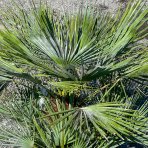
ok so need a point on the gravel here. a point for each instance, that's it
(71, 5)
(67, 5)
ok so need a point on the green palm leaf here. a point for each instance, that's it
(73, 48)
(107, 118)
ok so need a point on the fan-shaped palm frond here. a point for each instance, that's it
(19, 137)
(107, 118)
(72, 48)
(20, 132)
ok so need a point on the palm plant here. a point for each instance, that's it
(83, 61)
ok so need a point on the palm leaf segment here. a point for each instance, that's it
(106, 118)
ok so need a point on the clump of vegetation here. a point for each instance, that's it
(80, 79)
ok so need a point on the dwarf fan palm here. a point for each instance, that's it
(80, 60)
